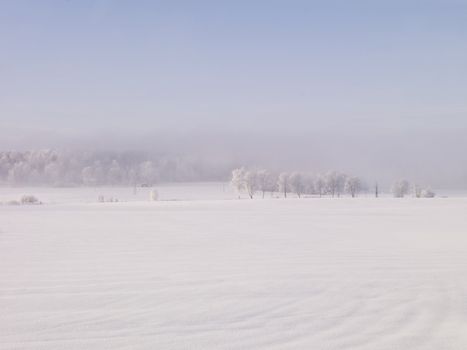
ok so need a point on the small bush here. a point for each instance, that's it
(28, 199)
(427, 193)
(153, 195)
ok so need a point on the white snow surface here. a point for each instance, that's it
(311, 273)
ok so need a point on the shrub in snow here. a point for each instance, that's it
(423, 192)
(417, 191)
(400, 188)
(427, 193)
(28, 199)
(13, 203)
(153, 195)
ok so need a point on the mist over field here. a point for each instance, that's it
(429, 157)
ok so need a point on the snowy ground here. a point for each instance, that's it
(313, 273)
(167, 192)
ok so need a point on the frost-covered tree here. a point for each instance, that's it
(148, 172)
(266, 181)
(320, 185)
(400, 188)
(133, 177)
(4, 167)
(341, 178)
(88, 176)
(353, 185)
(238, 179)
(309, 183)
(335, 182)
(251, 182)
(19, 173)
(296, 183)
(283, 183)
(53, 173)
(48, 167)
(248, 180)
(99, 172)
(115, 174)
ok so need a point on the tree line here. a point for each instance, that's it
(83, 168)
(332, 183)
(104, 168)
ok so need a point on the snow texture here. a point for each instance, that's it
(313, 273)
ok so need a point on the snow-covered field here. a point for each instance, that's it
(311, 273)
(167, 192)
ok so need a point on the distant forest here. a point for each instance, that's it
(83, 168)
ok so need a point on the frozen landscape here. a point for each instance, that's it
(223, 273)
(233, 175)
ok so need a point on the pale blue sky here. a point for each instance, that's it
(86, 65)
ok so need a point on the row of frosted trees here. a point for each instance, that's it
(53, 168)
(401, 188)
(334, 183)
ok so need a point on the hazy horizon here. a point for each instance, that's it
(373, 88)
